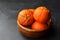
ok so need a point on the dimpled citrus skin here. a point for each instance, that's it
(38, 26)
(25, 17)
(41, 14)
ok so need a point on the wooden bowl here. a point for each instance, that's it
(33, 33)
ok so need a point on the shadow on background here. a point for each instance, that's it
(51, 33)
(10, 8)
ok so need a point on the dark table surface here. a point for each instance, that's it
(8, 15)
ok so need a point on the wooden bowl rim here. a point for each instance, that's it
(27, 29)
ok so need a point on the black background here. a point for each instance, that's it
(8, 15)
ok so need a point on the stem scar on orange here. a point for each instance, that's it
(39, 26)
(25, 17)
(41, 14)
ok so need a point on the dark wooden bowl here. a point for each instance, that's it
(33, 33)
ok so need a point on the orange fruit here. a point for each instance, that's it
(25, 17)
(42, 14)
(32, 10)
(39, 26)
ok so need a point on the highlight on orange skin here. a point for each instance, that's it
(25, 17)
(38, 26)
(41, 14)
(32, 10)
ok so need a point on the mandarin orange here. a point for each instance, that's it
(41, 14)
(25, 17)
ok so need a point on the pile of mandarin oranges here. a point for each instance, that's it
(35, 18)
